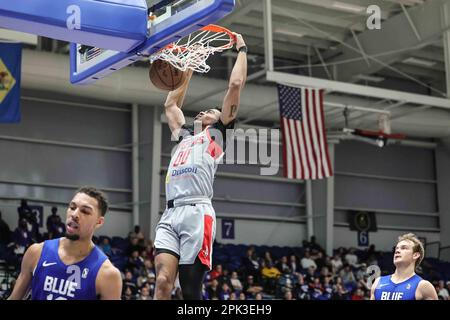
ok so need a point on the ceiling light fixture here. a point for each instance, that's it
(419, 62)
(347, 6)
(370, 78)
(291, 33)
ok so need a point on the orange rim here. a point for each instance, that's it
(216, 28)
(210, 28)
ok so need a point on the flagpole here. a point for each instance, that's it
(268, 35)
(309, 209)
(330, 206)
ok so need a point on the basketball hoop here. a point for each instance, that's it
(192, 51)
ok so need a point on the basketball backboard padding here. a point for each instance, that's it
(184, 22)
(119, 25)
(184, 25)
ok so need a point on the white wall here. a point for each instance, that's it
(264, 233)
(9, 214)
(117, 223)
(383, 239)
(34, 167)
(443, 188)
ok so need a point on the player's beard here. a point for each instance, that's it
(72, 237)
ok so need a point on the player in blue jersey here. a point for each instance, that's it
(186, 230)
(404, 283)
(71, 267)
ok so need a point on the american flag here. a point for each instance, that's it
(305, 149)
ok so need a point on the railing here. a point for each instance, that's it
(444, 253)
(434, 250)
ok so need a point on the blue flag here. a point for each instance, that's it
(10, 70)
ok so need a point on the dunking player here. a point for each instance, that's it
(186, 231)
(72, 267)
(404, 283)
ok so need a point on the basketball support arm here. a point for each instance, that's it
(121, 26)
(161, 34)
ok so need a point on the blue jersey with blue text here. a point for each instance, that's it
(54, 280)
(388, 290)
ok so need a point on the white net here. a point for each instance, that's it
(192, 51)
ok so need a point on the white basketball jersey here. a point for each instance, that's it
(193, 165)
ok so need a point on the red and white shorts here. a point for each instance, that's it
(188, 231)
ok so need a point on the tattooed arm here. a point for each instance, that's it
(238, 77)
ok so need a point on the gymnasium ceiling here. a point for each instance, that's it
(320, 32)
(330, 40)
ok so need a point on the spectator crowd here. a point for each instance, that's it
(239, 272)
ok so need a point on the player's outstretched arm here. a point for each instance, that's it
(173, 104)
(109, 282)
(426, 291)
(238, 77)
(29, 262)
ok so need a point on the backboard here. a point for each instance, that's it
(114, 24)
(168, 22)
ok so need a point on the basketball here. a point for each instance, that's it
(166, 77)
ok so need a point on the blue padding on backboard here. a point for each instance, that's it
(183, 23)
(170, 31)
(119, 25)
